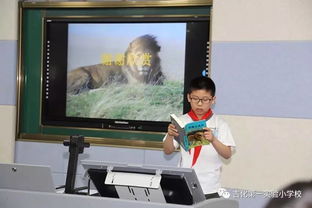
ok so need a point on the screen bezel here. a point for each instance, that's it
(119, 124)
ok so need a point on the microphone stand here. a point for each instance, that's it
(76, 146)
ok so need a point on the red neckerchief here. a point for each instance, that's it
(193, 116)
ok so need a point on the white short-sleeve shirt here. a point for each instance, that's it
(208, 164)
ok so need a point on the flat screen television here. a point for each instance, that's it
(125, 73)
(176, 186)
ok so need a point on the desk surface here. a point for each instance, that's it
(32, 199)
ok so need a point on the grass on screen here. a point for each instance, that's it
(128, 101)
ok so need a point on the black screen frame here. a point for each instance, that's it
(53, 111)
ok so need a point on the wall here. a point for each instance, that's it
(261, 63)
(261, 58)
(8, 61)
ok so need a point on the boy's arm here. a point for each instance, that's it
(168, 142)
(223, 150)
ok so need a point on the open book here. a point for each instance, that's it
(190, 134)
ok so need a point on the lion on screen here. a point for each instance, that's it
(141, 64)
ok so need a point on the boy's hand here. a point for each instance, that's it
(172, 131)
(208, 134)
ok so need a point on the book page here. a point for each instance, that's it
(177, 120)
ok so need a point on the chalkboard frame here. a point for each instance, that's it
(29, 77)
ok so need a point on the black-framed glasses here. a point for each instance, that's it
(204, 100)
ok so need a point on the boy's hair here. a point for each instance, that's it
(203, 83)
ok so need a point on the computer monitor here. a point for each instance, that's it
(145, 183)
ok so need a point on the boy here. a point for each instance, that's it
(205, 160)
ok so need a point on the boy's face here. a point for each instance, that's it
(201, 101)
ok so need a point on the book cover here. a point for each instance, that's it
(190, 134)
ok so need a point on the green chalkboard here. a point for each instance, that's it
(30, 73)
